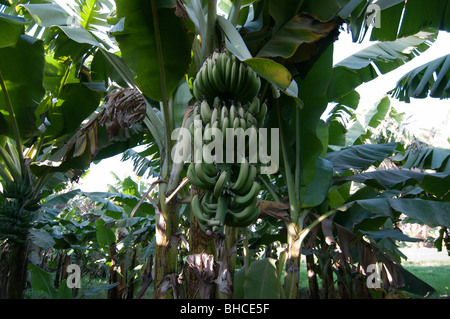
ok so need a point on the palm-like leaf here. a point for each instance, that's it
(431, 79)
(379, 58)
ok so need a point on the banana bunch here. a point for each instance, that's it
(226, 92)
(231, 189)
(17, 211)
(17, 190)
(222, 74)
(15, 221)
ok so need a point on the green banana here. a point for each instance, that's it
(207, 133)
(201, 89)
(252, 216)
(246, 199)
(252, 85)
(193, 178)
(225, 125)
(228, 74)
(208, 211)
(208, 159)
(217, 79)
(198, 132)
(234, 76)
(222, 204)
(205, 111)
(220, 184)
(243, 175)
(245, 212)
(214, 115)
(202, 176)
(241, 110)
(223, 113)
(232, 113)
(245, 188)
(254, 106)
(236, 123)
(242, 123)
(197, 210)
(216, 102)
(250, 120)
(209, 168)
(253, 138)
(241, 80)
(261, 114)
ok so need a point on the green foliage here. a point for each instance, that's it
(332, 187)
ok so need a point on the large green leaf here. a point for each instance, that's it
(430, 79)
(42, 281)
(75, 103)
(432, 213)
(423, 157)
(436, 183)
(105, 236)
(138, 42)
(262, 280)
(300, 29)
(315, 192)
(360, 156)
(429, 212)
(381, 57)
(312, 92)
(12, 27)
(22, 67)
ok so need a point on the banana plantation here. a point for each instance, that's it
(258, 178)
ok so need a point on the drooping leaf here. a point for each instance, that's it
(60, 199)
(42, 281)
(420, 156)
(290, 36)
(428, 80)
(360, 156)
(315, 192)
(75, 103)
(437, 183)
(429, 212)
(381, 57)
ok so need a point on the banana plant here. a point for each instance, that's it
(290, 52)
(52, 120)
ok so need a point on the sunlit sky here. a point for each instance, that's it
(425, 113)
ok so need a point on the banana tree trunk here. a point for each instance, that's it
(166, 253)
(199, 242)
(17, 266)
